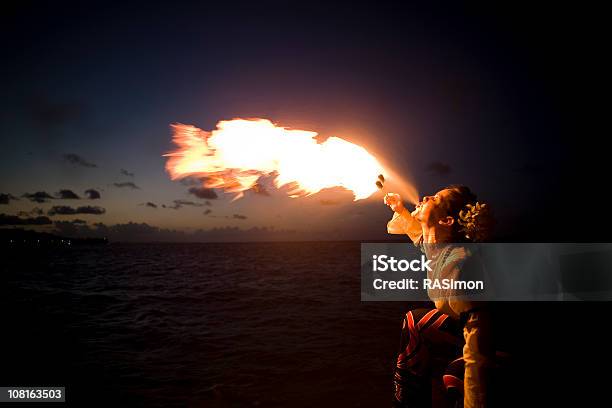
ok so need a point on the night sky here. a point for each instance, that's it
(501, 100)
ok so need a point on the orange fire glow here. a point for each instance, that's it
(235, 155)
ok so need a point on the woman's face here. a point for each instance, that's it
(431, 209)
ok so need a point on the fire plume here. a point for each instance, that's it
(235, 155)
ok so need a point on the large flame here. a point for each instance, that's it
(238, 152)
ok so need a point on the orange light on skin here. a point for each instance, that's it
(238, 152)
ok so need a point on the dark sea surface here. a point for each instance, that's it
(198, 325)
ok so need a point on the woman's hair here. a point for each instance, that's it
(473, 220)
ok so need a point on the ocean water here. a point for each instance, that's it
(198, 325)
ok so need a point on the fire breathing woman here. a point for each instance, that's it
(458, 328)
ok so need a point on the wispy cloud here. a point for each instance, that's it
(124, 172)
(6, 198)
(33, 211)
(38, 197)
(6, 219)
(66, 210)
(180, 203)
(126, 184)
(77, 160)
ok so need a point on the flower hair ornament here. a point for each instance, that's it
(476, 221)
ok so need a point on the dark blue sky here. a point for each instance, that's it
(492, 98)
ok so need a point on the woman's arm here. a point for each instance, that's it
(402, 222)
(478, 355)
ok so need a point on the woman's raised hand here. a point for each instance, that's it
(394, 201)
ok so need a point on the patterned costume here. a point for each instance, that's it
(434, 337)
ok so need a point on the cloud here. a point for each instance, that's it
(150, 204)
(229, 217)
(33, 211)
(124, 172)
(127, 184)
(74, 228)
(439, 168)
(192, 181)
(6, 198)
(67, 195)
(203, 192)
(142, 232)
(92, 194)
(66, 210)
(6, 219)
(77, 160)
(38, 197)
(187, 202)
(180, 203)
(133, 232)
